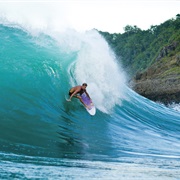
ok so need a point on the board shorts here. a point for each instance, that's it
(70, 93)
(76, 95)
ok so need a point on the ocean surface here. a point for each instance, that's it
(42, 136)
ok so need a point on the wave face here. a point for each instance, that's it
(129, 136)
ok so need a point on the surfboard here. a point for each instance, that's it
(91, 108)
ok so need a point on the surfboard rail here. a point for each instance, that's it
(91, 107)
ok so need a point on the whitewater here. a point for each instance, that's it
(43, 136)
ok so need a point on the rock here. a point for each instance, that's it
(163, 90)
(161, 81)
(166, 50)
(178, 60)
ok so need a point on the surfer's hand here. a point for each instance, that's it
(68, 99)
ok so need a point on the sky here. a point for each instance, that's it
(105, 15)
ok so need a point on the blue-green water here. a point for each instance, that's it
(44, 137)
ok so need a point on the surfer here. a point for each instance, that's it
(77, 91)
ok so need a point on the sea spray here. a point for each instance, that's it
(92, 62)
(96, 65)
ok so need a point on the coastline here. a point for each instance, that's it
(160, 82)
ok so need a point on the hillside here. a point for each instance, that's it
(151, 58)
(138, 49)
(161, 81)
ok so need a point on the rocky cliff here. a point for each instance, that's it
(161, 81)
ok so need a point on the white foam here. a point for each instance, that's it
(175, 106)
(97, 66)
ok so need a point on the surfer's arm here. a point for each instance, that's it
(88, 95)
(74, 93)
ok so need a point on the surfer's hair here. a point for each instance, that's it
(84, 84)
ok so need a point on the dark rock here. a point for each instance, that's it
(178, 60)
(163, 90)
(166, 50)
(161, 81)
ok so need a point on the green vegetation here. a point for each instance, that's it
(171, 71)
(138, 49)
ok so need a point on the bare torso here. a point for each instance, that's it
(77, 89)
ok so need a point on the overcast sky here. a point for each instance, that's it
(81, 15)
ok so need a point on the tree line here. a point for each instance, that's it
(138, 49)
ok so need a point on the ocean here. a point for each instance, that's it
(43, 136)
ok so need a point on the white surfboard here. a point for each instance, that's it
(91, 108)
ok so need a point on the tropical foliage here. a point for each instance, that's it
(138, 49)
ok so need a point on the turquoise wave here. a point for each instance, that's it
(36, 72)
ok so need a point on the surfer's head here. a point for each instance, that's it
(84, 85)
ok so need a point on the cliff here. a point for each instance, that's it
(151, 59)
(161, 81)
